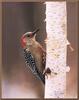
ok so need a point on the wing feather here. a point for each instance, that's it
(30, 61)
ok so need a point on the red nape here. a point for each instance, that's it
(23, 41)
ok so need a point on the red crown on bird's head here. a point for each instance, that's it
(23, 41)
(28, 35)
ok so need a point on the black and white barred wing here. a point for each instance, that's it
(30, 61)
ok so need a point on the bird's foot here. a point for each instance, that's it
(48, 72)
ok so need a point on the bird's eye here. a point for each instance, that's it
(28, 35)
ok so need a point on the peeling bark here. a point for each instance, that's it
(56, 49)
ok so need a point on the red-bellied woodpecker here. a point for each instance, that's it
(35, 55)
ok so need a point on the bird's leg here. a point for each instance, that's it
(47, 72)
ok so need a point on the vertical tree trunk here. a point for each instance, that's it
(55, 86)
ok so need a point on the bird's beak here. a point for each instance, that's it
(34, 32)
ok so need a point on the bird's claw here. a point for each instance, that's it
(47, 72)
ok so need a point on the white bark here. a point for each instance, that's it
(56, 42)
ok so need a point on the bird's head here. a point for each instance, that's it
(27, 38)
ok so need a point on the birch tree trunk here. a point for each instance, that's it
(56, 29)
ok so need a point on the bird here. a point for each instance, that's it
(34, 54)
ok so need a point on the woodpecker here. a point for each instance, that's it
(35, 55)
